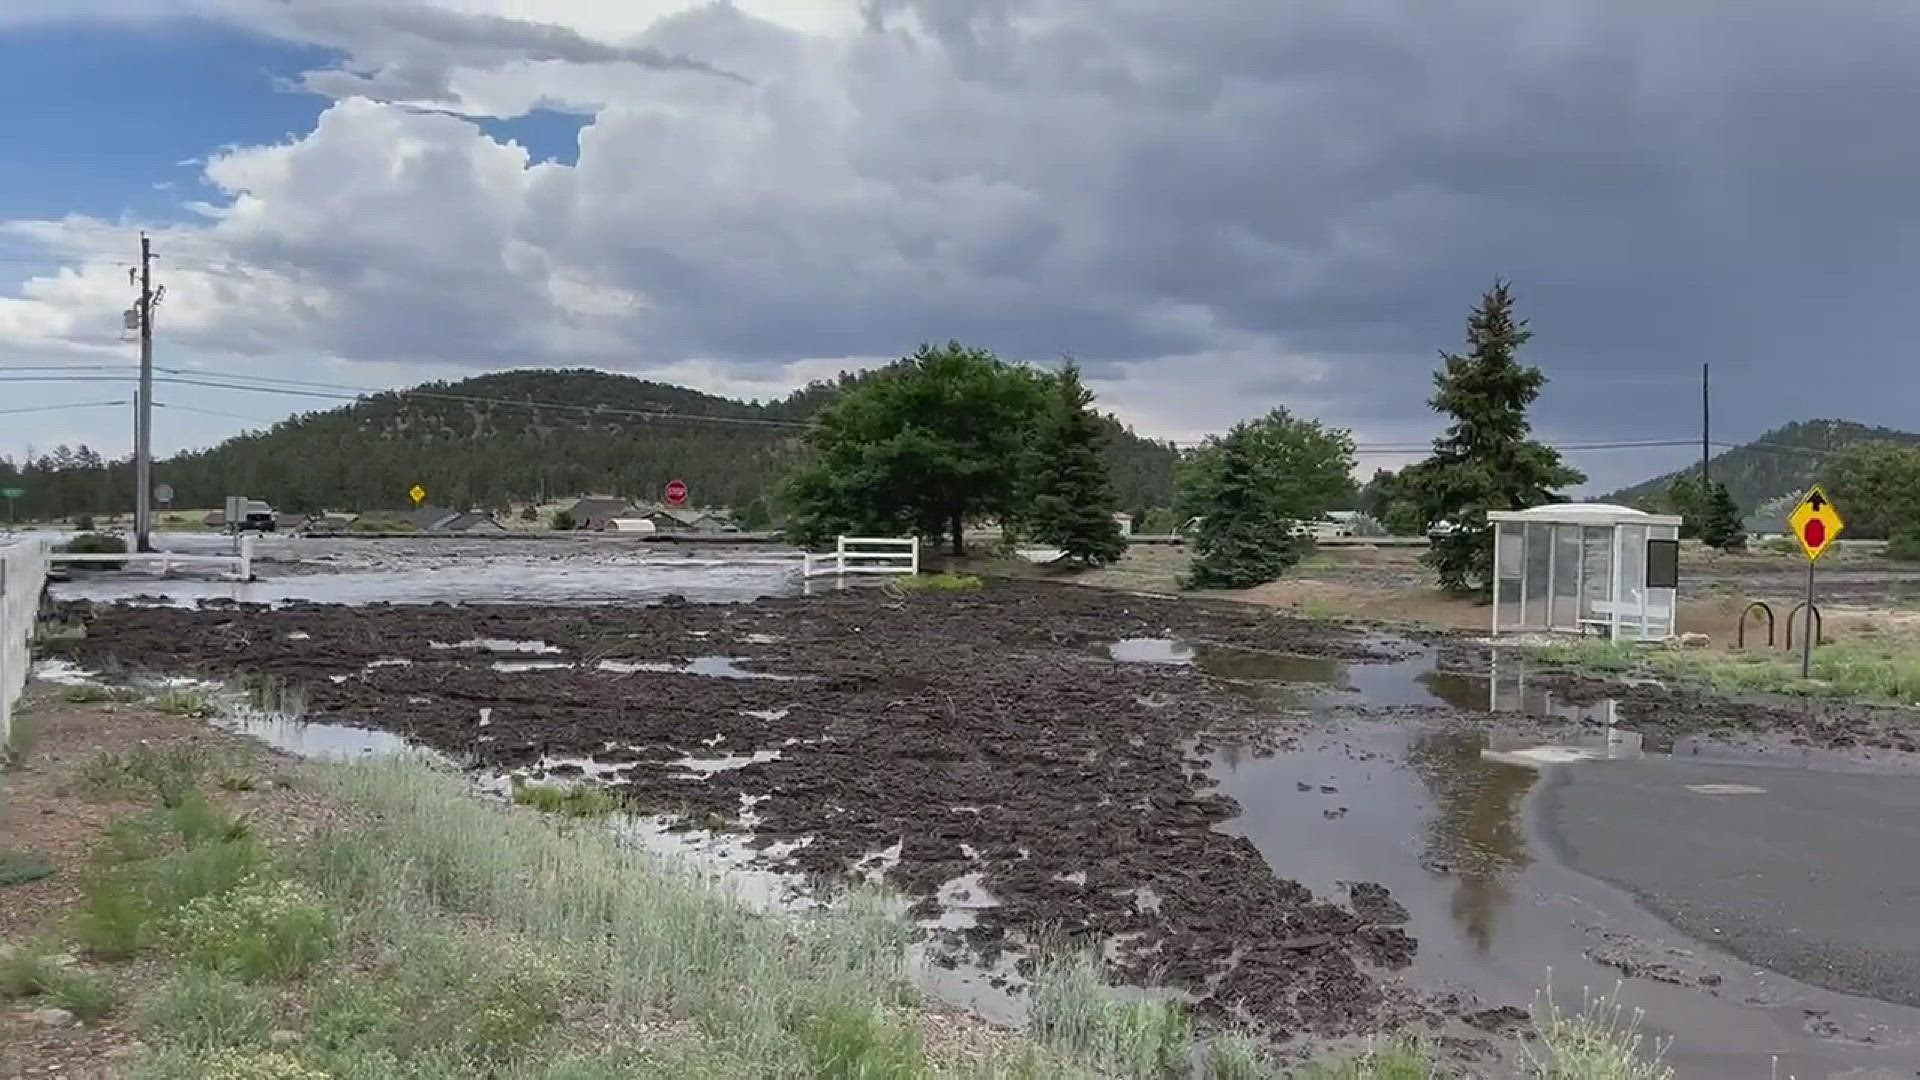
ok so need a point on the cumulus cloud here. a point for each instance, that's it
(1219, 208)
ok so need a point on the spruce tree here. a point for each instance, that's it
(1720, 523)
(1486, 459)
(1070, 494)
(1244, 537)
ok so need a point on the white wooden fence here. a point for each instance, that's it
(865, 555)
(240, 563)
(23, 573)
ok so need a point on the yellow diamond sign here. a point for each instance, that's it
(1815, 522)
(418, 494)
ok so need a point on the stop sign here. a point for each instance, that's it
(676, 493)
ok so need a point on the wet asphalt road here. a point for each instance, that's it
(1816, 874)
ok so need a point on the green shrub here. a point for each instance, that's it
(31, 973)
(206, 1010)
(570, 800)
(21, 867)
(562, 521)
(175, 701)
(93, 543)
(1905, 547)
(94, 693)
(258, 930)
(169, 774)
(149, 868)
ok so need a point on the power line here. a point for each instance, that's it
(67, 405)
(216, 412)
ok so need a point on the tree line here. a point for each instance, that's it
(504, 440)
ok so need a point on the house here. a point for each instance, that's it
(471, 523)
(686, 519)
(599, 511)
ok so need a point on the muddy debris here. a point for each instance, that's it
(988, 734)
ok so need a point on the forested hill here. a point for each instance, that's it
(1784, 461)
(482, 442)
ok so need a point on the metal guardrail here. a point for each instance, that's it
(23, 574)
(865, 555)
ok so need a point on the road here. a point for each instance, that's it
(1813, 874)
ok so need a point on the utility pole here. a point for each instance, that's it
(143, 404)
(1706, 415)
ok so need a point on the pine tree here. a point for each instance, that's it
(1070, 493)
(1720, 523)
(1244, 538)
(1485, 460)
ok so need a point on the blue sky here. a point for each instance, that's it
(1217, 209)
(98, 114)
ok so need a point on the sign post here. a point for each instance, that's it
(676, 493)
(1816, 524)
(418, 494)
(10, 494)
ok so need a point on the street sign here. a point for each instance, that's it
(163, 494)
(1816, 524)
(676, 493)
(418, 494)
(13, 493)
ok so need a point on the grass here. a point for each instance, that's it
(176, 701)
(1317, 608)
(1600, 1042)
(426, 933)
(1875, 668)
(915, 583)
(170, 774)
(568, 800)
(1403, 1057)
(94, 693)
(34, 973)
(1073, 1011)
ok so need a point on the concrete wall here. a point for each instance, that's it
(23, 573)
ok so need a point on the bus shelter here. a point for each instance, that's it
(1585, 568)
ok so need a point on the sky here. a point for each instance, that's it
(1218, 208)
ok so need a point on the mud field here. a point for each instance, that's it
(1045, 747)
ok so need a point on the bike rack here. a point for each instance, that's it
(1740, 635)
(1819, 624)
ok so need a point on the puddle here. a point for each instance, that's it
(715, 667)
(313, 740)
(63, 673)
(500, 645)
(1440, 819)
(701, 768)
(512, 667)
(1414, 682)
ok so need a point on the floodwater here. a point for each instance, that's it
(1442, 817)
(430, 570)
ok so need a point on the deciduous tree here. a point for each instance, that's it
(922, 447)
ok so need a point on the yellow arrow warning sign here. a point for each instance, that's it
(1815, 522)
